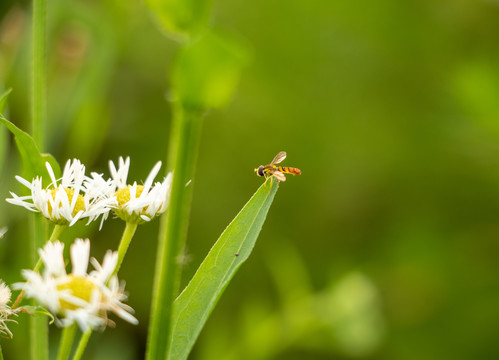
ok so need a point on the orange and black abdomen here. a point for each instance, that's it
(289, 170)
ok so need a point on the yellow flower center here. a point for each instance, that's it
(123, 195)
(79, 287)
(80, 202)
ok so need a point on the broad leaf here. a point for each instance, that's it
(195, 303)
(33, 160)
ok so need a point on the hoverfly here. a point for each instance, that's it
(277, 171)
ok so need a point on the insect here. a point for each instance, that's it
(277, 171)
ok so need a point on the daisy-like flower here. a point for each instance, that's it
(134, 203)
(78, 297)
(66, 203)
(5, 311)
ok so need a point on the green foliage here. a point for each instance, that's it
(207, 70)
(33, 160)
(181, 18)
(392, 114)
(195, 303)
(182, 154)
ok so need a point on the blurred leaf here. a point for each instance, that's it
(3, 133)
(352, 310)
(33, 161)
(181, 18)
(207, 71)
(476, 84)
(195, 303)
(3, 100)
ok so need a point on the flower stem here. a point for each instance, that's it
(38, 324)
(184, 143)
(56, 232)
(67, 338)
(1, 353)
(126, 238)
(82, 344)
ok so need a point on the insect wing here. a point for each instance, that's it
(278, 158)
(279, 176)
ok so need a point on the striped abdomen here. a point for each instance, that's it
(288, 170)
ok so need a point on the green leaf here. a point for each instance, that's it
(181, 19)
(206, 72)
(36, 310)
(33, 160)
(195, 303)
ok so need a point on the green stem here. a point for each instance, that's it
(184, 143)
(82, 344)
(68, 335)
(39, 71)
(38, 324)
(126, 238)
(56, 232)
(1, 353)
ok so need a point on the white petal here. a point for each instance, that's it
(151, 176)
(102, 273)
(51, 174)
(80, 254)
(51, 255)
(23, 181)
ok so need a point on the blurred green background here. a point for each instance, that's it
(385, 248)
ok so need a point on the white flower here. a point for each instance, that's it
(5, 311)
(66, 203)
(78, 296)
(134, 203)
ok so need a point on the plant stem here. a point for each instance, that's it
(126, 238)
(38, 324)
(56, 232)
(82, 344)
(39, 71)
(182, 155)
(67, 338)
(1, 353)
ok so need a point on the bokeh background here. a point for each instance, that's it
(385, 248)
